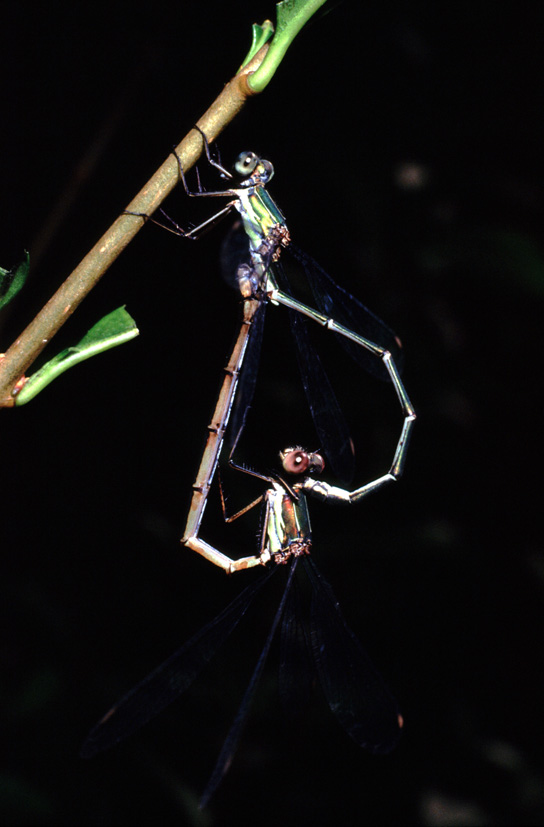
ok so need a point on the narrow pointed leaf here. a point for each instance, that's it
(12, 280)
(260, 36)
(291, 17)
(114, 329)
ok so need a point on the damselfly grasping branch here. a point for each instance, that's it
(261, 280)
(353, 689)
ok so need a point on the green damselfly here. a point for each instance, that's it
(261, 281)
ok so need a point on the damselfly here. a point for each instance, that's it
(261, 281)
(352, 687)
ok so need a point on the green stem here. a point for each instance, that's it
(263, 60)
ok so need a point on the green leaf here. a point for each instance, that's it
(112, 330)
(12, 280)
(260, 36)
(291, 17)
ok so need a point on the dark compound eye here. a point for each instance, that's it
(317, 463)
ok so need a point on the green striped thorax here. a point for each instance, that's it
(288, 523)
(288, 529)
(264, 223)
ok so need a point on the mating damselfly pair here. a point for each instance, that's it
(353, 689)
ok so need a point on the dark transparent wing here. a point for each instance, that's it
(248, 375)
(354, 690)
(231, 741)
(235, 252)
(338, 304)
(296, 672)
(331, 427)
(171, 678)
(330, 423)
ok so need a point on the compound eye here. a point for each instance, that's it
(295, 462)
(317, 463)
(246, 163)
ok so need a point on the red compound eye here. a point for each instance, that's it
(295, 462)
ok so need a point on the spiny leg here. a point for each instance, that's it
(230, 518)
(195, 232)
(211, 160)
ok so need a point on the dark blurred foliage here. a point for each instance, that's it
(407, 141)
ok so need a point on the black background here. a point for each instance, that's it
(407, 142)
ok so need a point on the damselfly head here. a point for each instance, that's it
(256, 170)
(298, 461)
